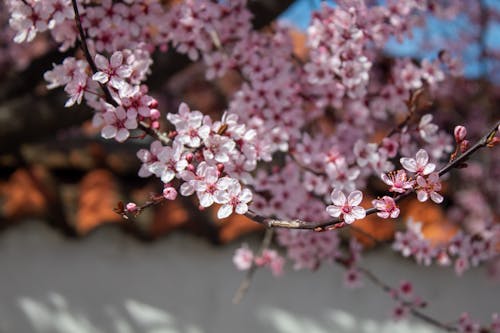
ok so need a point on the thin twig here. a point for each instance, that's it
(245, 284)
(415, 312)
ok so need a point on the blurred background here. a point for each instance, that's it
(71, 264)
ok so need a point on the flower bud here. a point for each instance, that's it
(131, 207)
(170, 193)
(464, 145)
(460, 132)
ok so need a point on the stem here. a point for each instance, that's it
(245, 284)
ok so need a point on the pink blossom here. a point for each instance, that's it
(243, 258)
(234, 198)
(387, 207)
(459, 132)
(271, 258)
(170, 193)
(352, 278)
(398, 181)
(113, 71)
(117, 124)
(400, 312)
(428, 187)
(419, 165)
(347, 207)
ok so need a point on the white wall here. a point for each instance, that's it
(111, 283)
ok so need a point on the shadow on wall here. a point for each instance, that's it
(55, 315)
(336, 321)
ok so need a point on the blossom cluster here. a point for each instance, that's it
(463, 250)
(244, 258)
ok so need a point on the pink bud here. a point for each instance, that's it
(460, 132)
(170, 193)
(131, 207)
(464, 145)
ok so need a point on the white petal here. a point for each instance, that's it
(206, 199)
(100, 77)
(241, 208)
(338, 198)
(333, 211)
(436, 197)
(428, 168)
(101, 62)
(422, 196)
(116, 59)
(225, 211)
(355, 198)
(122, 135)
(108, 132)
(409, 164)
(246, 195)
(422, 157)
(358, 212)
(349, 218)
(167, 175)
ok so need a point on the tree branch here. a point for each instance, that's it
(335, 223)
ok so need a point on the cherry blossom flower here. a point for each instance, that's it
(243, 258)
(398, 181)
(426, 128)
(271, 258)
(387, 207)
(113, 71)
(234, 198)
(400, 312)
(169, 162)
(117, 124)
(428, 187)
(352, 278)
(347, 207)
(418, 165)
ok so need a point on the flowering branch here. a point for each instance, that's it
(142, 125)
(338, 222)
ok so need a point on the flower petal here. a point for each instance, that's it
(338, 198)
(225, 211)
(333, 211)
(355, 198)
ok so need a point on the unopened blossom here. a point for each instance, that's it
(459, 132)
(113, 71)
(398, 181)
(347, 207)
(170, 193)
(420, 164)
(243, 258)
(428, 187)
(352, 278)
(234, 198)
(386, 207)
